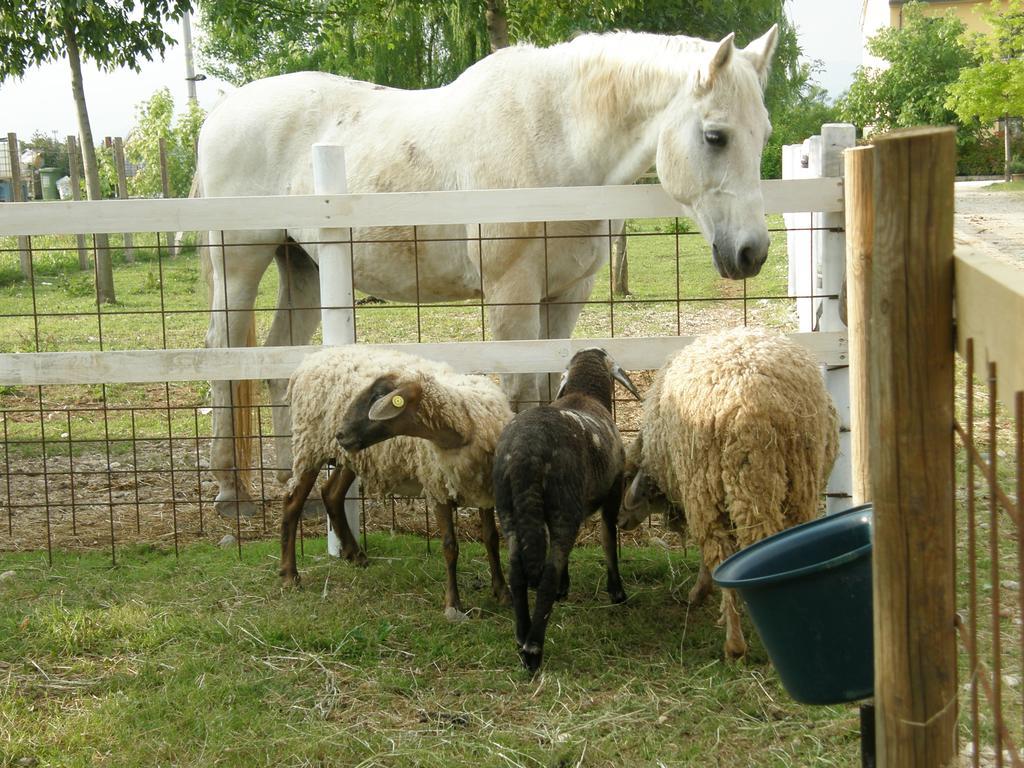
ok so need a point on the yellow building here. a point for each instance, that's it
(970, 12)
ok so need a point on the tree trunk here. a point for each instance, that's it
(104, 269)
(497, 24)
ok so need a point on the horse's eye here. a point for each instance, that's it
(715, 138)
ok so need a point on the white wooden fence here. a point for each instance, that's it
(334, 210)
(816, 242)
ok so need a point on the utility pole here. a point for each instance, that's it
(190, 72)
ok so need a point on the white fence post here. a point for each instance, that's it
(817, 264)
(337, 297)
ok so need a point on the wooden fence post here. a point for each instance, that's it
(76, 194)
(122, 192)
(165, 187)
(337, 297)
(910, 418)
(860, 222)
(24, 246)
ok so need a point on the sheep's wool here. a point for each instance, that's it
(324, 385)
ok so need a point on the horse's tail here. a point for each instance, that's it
(243, 393)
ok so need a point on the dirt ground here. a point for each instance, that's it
(991, 220)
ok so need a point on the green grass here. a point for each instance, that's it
(1005, 186)
(205, 660)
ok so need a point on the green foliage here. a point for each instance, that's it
(802, 114)
(427, 43)
(995, 85)
(155, 120)
(416, 44)
(112, 34)
(925, 56)
(53, 150)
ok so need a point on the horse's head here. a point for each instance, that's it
(709, 152)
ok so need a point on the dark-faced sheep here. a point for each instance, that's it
(403, 425)
(554, 466)
(739, 433)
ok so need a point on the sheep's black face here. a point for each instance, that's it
(358, 430)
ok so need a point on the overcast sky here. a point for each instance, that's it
(42, 101)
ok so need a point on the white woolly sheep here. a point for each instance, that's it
(554, 466)
(738, 432)
(436, 436)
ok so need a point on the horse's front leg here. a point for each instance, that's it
(514, 308)
(560, 314)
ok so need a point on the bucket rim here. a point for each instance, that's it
(794, 573)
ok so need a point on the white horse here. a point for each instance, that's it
(597, 110)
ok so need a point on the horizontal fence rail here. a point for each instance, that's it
(388, 208)
(224, 364)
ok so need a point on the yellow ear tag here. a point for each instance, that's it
(398, 401)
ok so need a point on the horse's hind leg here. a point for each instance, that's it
(236, 273)
(295, 319)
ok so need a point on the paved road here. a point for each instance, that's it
(993, 218)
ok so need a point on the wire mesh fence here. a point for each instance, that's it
(89, 466)
(991, 571)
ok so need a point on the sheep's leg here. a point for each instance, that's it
(444, 514)
(609, 539)
(701, 589)
(289, 525)
(520, 589)
(735, 645)
(340, 481)
(563, 585)
(490, 536)
(532, 651)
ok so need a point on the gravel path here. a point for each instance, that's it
(994, 219)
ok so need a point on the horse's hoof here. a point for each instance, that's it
(454, 615)
(313, 509)
(234, 508)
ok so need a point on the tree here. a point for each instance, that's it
(993, 89)
(924, 57)
(155, 121)
(802, 114)
(112, 34)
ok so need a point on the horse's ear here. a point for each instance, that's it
(719, 58)
(760, 52)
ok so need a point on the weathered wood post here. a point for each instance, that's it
(337, 297)
(165, 189)
(76, 194)
(910, 417)
(860, 223)
(122, 192)
(24, 246)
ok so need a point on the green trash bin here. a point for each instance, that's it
(48, 181)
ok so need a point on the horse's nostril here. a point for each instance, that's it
(750, 259)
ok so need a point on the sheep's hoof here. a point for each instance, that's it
(356, 557)
(734, 652)
(531, 655)
(454, 615)
(503, 595)
(232, 508)
(290, 580)
(618, 596)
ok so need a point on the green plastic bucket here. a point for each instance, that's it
(808, 591)
(48, 182)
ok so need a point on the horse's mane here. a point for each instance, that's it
(616, 68)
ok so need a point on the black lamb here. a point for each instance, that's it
(554, 466)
